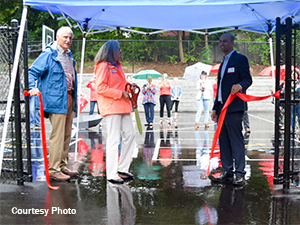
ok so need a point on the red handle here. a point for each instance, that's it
(26, 93)
(134, 92)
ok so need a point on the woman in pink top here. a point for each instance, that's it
(93, 96)
(115, 106)
(165, 98)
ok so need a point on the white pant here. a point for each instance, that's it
(119, 125)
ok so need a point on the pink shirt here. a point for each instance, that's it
(165, 89)
(92, 86)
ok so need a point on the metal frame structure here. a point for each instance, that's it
(16, 127)
(285, 33)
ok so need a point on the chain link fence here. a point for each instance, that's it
(167, 51)
(16, 164)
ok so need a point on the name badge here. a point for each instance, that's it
(114, 71)
(230, 70)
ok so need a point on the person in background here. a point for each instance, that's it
(176, 92)
(215, 90)
(295, 108)
(57, 80)
(165, 99)
(233, 77)
(116, 108)
(93, 95)
(149, 101)
(203, 97)
(35, 118)
(246, 121)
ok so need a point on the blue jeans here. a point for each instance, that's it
(200, 103)
(149, 112)
(35, 119)
(92, 104)
(36, 145)
(297, 115)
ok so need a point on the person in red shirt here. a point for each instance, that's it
(215, 89)
(165, 98)
(93, 96)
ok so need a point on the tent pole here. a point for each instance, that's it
(12, 83)
(272, 60)
(79, 91)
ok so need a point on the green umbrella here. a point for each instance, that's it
(144, 74)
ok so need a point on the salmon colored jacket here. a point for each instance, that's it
(110, 83)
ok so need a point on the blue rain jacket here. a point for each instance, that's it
(52, 83)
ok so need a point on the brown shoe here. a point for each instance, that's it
(59, 176)
(206, 126)
(69, 172)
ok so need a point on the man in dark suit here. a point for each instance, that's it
(233, 77)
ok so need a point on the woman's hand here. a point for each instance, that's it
(125, 95)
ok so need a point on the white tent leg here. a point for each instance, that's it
(12, 83)
(79, 91)
(272, 61)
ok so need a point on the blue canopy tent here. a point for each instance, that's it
(162, 15)
(103, 15)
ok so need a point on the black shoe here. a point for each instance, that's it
(147, 124)
(116, 181)
(126, 176)
(239, 180)
(224, 177)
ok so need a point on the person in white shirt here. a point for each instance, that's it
(176, 92)
(203, 97)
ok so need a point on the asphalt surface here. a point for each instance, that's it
(170, 186)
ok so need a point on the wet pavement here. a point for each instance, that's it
(170, 186)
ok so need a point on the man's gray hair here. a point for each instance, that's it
(64, 29)
(108, 52)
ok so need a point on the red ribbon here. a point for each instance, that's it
(245, 98)
(44, 142)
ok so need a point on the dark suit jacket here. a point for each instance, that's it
(236, 72)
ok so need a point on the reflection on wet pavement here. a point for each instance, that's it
(170, 185)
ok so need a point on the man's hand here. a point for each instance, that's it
(235, 89)
(214, 116)
(34, 92)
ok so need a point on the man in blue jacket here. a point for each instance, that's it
(56, 77)
(233, 77)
